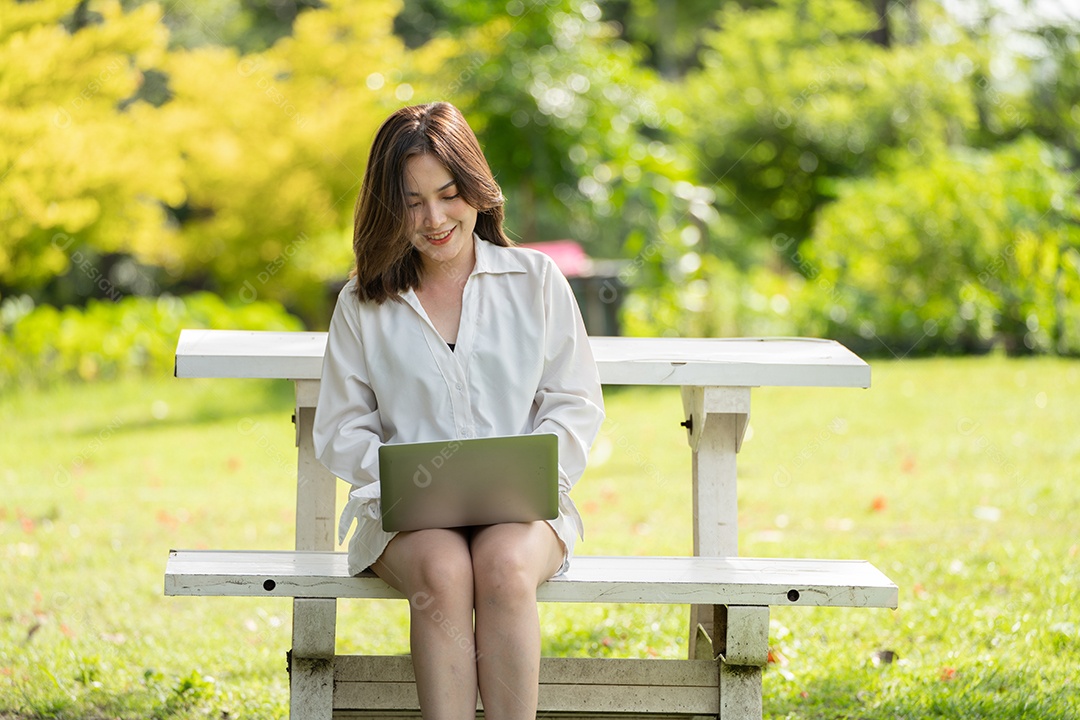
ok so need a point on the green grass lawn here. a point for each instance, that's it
(958, 478)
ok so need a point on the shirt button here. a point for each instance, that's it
(460, 386)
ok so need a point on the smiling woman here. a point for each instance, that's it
(426, 172)
(448, 332)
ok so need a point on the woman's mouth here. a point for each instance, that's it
(440, 239)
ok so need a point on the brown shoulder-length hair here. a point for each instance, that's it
(387, 263)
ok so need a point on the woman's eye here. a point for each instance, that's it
(452, 197)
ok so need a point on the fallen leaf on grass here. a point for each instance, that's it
(775, 657)
(165, 518)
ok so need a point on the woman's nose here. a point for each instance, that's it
(433, 216)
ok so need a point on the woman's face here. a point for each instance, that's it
(441, 222)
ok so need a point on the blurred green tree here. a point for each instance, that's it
(1055, 91)
(961, 253)
(248, 25)
(275, 146)
(569, 122)
(717, 154)
(84, 170)
(792, 98)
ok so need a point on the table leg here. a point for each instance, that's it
(742, 639)
(717, 419)
(311, 661)
(315, 508)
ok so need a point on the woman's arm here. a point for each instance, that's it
(348, 430)
(569, 400)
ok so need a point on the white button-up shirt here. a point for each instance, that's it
(522, 364)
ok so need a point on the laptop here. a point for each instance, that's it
(478, 481)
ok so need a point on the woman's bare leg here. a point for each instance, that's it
(509, 562)
(432, 568)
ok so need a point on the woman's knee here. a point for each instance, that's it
(507, 566)
(430, 567)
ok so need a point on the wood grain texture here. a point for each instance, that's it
(734, 362)
(567, 685)
(661, 580)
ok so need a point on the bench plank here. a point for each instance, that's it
(548, 715)
(570, 698)
(733, 362)
(661, 580)
(567, 685)
(554, 670)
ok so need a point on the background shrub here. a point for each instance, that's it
(40, 345)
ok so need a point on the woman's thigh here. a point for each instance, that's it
(426, 560)
(530, 548)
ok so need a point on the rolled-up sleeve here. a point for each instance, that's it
(347, 431)
(569, 401)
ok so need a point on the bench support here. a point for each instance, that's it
(311, 687)
(717, 419)
(311, 661)
(316, 521)
(384, 686)
(743, 650)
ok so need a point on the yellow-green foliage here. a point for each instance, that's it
(720, 180)
(76, 168)
(252, 159)
(276, 144)
(109, 339)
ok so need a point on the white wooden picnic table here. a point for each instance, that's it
(715, 377)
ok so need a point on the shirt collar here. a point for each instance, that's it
(495, 259)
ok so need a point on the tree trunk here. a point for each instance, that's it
(882, 35)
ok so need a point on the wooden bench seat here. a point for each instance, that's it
(663, 580)
(740, 589)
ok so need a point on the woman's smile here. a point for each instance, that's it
(440, 238)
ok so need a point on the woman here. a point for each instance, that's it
(446, 331)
